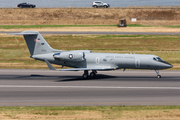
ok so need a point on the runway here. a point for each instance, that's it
(21, 87)
(98, 33)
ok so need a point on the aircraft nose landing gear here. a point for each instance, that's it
(158, 75)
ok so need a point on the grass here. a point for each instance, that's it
(54, 26)
(15, 54)
(88, 16)
(138, 25)
(174, 26)
(48, 26)
(90, 112)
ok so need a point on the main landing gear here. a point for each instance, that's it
(92, 74)
(158, 75)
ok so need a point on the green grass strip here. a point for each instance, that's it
(173, 26)
(89, 108)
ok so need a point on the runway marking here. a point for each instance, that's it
(88, 87)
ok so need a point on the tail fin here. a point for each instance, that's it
(35, 42)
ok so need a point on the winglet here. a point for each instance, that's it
(49, 65)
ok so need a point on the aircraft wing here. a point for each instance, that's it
(78, 69)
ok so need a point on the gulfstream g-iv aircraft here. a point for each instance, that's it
(86, 61)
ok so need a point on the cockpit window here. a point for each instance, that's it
(157, 59)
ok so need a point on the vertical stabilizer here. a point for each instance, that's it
(36, 43)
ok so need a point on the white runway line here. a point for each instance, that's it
(88, 87)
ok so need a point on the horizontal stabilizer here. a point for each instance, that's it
(26, 33)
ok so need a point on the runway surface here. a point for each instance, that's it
(19, 87)
(99, 33)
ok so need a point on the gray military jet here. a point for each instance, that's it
(85, 60)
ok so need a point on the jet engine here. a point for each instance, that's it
(70, 56)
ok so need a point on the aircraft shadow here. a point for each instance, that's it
(99, 77)
(102, 77)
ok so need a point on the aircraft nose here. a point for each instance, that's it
(171, 66)
(168, 65)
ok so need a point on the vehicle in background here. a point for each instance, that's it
(122, 23)
(97, 4)
(26, 5)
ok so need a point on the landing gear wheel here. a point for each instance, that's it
(159, 76)
(92, 74)
(85, 76)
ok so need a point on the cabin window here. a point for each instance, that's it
(104, 60)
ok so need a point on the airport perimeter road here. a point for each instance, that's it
(99, 33)
(54, 88)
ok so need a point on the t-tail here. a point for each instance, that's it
(36, 43)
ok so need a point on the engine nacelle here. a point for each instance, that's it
(70, 56)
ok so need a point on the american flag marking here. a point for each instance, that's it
(36, 40)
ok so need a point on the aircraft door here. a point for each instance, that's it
(112, 62)
(97, 60)
(137, 63)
